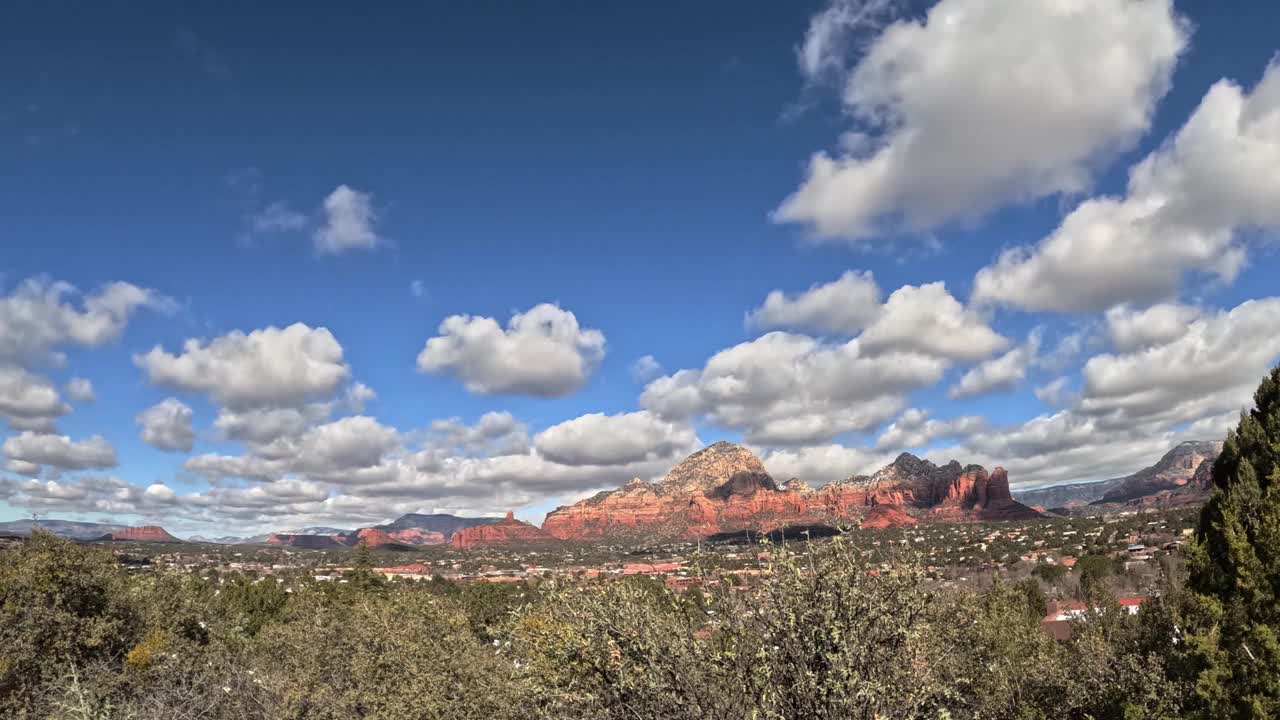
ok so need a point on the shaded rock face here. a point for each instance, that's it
(1175, 471)
(143, 533)
(725, 489)
(508, 531)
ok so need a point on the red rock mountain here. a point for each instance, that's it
(143, 533)
(725, 488)
(508, 531)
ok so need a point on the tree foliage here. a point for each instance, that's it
(1233, 616)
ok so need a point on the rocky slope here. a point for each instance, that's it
(445, 525)
(1172, 472)
(308, 542)
(724, 488)
(1067, 496)
(507, 531)
(142, 533)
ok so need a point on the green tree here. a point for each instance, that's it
(1052, 574)
(1233, 637)
(1037, 603)
(362, 577)
(62, 607)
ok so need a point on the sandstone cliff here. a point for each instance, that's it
(724, 488)
(507, 531)
(143, 533)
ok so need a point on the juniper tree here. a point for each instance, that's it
(1233, 641)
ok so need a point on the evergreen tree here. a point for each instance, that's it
(1233, 617)
(362, 576)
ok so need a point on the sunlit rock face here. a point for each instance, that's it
(725, 488)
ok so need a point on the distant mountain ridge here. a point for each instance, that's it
(1174, 471)
(74, 529)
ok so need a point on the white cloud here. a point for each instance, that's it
(268, 367)
(982, 102)
(1001, 373)
(1056, 392)
(345, 444)
(1212, 368)
(39, 316)
(495, 433)
(28, 401)
(167, 426)
(819, 465)
(791, 389)
(833, 33)
(542, 352)
(914, 428)
(1060, 448)
(927, 319)
(841, 307)
(81, 390)
(22, 467)
(61, 451)
(645, 369)
(349, 223)
(92, 494)
(417, 288)
(599, 439)
(276, 218)
(1185, 205)
(1130, 329)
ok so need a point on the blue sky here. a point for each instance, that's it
(1099, 205)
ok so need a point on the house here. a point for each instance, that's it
(415, 571)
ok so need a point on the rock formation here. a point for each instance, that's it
(143, 533)
(508, 531)
(724, 488)
(1174, 471)
(308, 542)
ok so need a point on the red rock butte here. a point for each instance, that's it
(508, 531)
(725, 488)
(142, 533)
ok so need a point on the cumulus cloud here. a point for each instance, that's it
(945, 129)
(60, 451)
(842, 307)
(1005, 372)
(28, 401)
(927, 319)
(784, 388)
(81, 390)
(1057, 392)
(1131, 329)
(1061, 448)
(645, 369)
(41, 315)
(542, 352)
(599, 439)
(349, 219)
(1211, 368)
(167, 426)
(268, 367)
(914, 428)
(822, 464)
(91, 494)
(1183, 211)
(495, 433)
